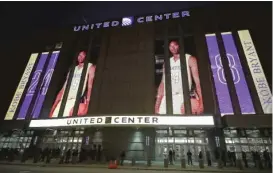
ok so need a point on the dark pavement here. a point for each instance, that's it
(70, 169)
(36, 169)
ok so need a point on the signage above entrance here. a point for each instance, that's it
(128, 21)
(125, 120)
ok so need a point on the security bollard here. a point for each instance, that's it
(219, 164)
(61, 160)
(133, 162)
(74, 159)
(183, 163)
(260, 165)
(166, 163)
(201, 163)
(149, 162)
(239, 164)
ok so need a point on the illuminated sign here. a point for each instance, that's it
(126, 120)
(257, 73)
(127, 21)
(21, 87)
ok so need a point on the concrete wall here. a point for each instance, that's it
(124, 82)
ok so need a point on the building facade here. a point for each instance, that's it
(193, 80)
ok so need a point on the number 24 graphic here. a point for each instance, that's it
(232, 67)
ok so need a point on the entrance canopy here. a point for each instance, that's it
(187, 121)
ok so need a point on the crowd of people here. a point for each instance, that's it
(95, 153)
(227, 157)
(47, 154)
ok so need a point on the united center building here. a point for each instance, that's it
(186, 80)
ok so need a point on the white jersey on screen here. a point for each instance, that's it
(72, 94)
(177, 87)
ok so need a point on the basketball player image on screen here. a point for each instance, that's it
(177, 87)
(75, 82)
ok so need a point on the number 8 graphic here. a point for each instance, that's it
(232, 67)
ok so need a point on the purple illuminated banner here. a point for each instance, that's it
(45, 84)
(32, 87)
(235, 66)
(218, 73)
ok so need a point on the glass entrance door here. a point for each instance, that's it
(181, 145)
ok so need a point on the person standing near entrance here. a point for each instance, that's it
(223, 157)
(244, 159)
(122, 157)
(267, 159)
(99, 153)
(68, 154)
(233, 155)
(189, 154)
(171, 157)
(254, 158)
(229, 157)
(208, 158)
(174, 155)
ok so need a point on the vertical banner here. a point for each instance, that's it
(45, 84)
(176, 78)
(160, 99)
(21, 87)
(238, 76)
(32, 87)
(195, 93)
(218, 73)
(257, 73)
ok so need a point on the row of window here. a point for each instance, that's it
(171, 140)
(63, 140)
(182, 132)
(248, 140)
(249, 133)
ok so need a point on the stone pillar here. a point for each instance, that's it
(166, 163)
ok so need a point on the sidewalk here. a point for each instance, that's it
(138, 167)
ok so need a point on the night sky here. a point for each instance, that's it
(20, 19)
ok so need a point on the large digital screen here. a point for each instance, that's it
(178, 100)
(73, 89)
(238, 76)
(79, 87)
(256, 70)
(21, 87)
(218, 73)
